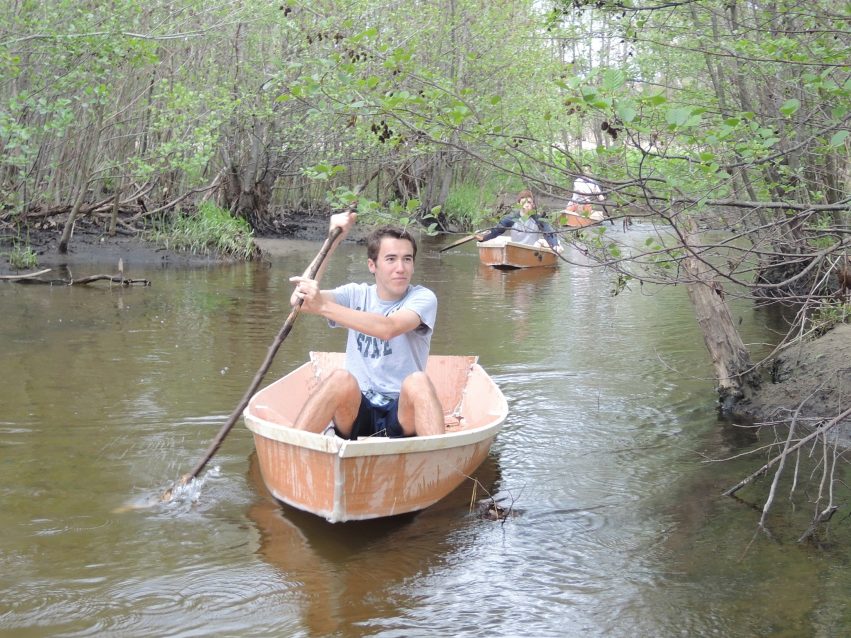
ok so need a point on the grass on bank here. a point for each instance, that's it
(22, 257)
(829, 315)
(471, 205)
(210, 230)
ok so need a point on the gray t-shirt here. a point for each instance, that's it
(378, 365)
(525, 231)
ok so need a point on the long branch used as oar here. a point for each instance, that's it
(463, 240)
(270, 355)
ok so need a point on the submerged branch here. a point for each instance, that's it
(815, 433)
(34, 278)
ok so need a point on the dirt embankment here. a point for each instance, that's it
(91, 244)
(814, 375)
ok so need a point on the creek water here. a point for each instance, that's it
(619, 526)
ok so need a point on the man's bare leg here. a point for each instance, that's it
(337, 398)
(420, 411)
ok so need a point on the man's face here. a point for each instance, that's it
(527, 204)
(393, 268)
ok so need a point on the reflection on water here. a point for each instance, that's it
(110, 394)
(354, 572)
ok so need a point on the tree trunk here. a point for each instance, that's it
(730, 357)
(69, 223)
(116, 201)
(246, 198)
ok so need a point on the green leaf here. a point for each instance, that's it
(626, 112)
(838, 138)
(790, 107)
(613, 79)
(655, 99)
(678, 116)
(589, 93)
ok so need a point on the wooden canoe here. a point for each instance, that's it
(503, 253)
(575, 220)
(344, 480)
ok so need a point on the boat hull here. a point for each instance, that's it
(500, 253)
(344, 480)
(574, 220)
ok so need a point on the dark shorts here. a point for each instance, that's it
(378, 417)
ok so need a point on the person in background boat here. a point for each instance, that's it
(525, 226)
(585, 190)
(383, 390)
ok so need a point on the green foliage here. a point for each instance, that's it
(620, 284)
(210, 230)
(187, 121)
(22, 257)
(315, 96)
(469, 205)
(829, 315)
(323, 171)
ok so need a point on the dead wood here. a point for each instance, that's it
(730, 358)
(35, 278)
(801, 442)
(29, 275)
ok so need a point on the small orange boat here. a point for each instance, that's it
(577, 216)
(500, 252)
(343, 480)
(575, 221)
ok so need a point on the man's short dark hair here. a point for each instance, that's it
(373, 240)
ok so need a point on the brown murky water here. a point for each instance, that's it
(109, 394)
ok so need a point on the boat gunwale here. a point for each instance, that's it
(377, 446)
(372, 446)
(503, 242)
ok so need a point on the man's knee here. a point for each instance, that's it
(339, 383)
(416, 382)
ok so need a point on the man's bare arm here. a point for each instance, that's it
(344, 221)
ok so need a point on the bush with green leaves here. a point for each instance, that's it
(472, 205)
(22, 257)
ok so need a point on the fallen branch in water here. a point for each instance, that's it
(35, 278)
(801, 442)
(28, 275)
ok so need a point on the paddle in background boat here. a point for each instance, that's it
(525, 226)
(458, 242)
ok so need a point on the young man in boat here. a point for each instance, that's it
(525, 226)
(383, 391)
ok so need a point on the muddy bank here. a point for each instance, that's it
(815, 374)
(91, 244)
